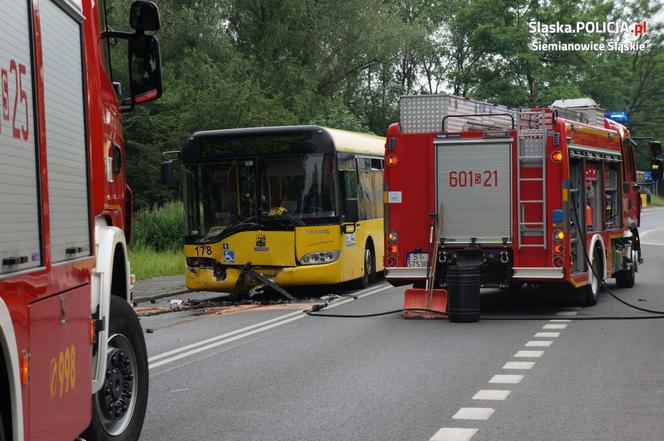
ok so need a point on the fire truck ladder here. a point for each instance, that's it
(531, 152)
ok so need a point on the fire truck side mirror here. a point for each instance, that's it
(144, 16)
(167, 176)
(655, 148)
(145, 82)
(657, 169)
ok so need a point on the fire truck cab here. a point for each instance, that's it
(530, 195)
(72, 352)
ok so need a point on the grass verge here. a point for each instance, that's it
(656, 201)
(147, 263)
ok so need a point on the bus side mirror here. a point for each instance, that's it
(144, 16)
(145, 82)
(655, 148)
(167, 177)
(348, 228)
(657, 169)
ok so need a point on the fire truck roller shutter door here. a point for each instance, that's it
(65, 133)
(474, 180)
(19, 198)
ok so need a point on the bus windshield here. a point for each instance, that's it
(271, 192)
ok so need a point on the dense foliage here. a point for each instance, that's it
(344, 63)
(159, 228)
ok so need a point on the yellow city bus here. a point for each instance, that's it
(299, 205)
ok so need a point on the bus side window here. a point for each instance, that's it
(370, 199)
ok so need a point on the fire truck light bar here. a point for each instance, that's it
(617, 116)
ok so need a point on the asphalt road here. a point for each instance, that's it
(280, 375)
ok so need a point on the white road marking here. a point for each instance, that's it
(648, 232)
(229, 337)
(221, 337)
(491, 395)
(506, 379)
(474, 413)
(174, 391)
(529, 354)
(560, 320)
(540, 343)
(547, 334)
(555, 326)
(519, 365)
(567, 313)
(453, 434)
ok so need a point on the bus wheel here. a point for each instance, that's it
(118, 409)
(369, 269)
(591, 290)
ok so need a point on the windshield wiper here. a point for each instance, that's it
(283, 216)
(233, 227)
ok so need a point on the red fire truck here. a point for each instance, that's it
(72, 353)
(523, 194)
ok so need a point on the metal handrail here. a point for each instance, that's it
(478, 114)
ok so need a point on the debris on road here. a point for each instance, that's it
(176, 303)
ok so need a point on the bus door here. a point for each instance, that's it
(351, 230)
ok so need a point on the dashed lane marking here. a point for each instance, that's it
(474, 413)
(484, 413)
(491, 395)
(539, 343)
(506, 379)
(453, 434)
(529, 354)
(523, 365)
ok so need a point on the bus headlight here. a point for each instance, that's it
(320, 257)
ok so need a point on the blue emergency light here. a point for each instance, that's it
(616, 116)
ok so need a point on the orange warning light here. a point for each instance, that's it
(24, 368)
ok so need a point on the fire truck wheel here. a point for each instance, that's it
(591, 290)
(118, 409)
(2, 430)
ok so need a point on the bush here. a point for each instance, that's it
(147, 263)
(159, 228)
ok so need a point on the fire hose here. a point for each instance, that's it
(314, 310)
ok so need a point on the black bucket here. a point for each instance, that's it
(463, 293)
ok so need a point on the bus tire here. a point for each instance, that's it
(591, 290)
(118, 409)
(369, 270)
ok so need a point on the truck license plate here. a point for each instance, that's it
(417, 260)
